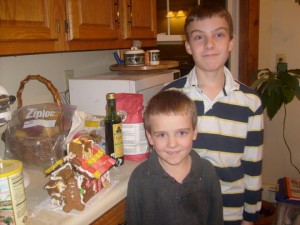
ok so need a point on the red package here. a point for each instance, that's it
(130, 108)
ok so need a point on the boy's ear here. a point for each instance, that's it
(149, 137)
(188, 47)
(231, 44)
(195, 133)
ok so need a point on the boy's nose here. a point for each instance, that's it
(172, 141)
(209, 43)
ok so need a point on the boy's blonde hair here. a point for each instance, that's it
(208, 10)
(170, 102)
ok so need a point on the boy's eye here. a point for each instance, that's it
(160, 135)
(182, 133)
(220, 34)
(199, 37)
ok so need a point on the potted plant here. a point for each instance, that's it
(276, 88)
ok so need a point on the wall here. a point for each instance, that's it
(13, 69)
(279, 33)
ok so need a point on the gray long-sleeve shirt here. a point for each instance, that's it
(155, 198)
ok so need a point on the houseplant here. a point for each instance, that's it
(276, 88)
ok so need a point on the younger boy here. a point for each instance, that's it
(230, 114)
(174, 186)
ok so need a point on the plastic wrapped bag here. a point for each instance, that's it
(36, 133)
(85, 124)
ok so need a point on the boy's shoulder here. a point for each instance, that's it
(176, 84)
(141, 168)
(246, 89)
(199, 162)
(150, 165)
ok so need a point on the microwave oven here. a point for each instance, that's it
(89, 93)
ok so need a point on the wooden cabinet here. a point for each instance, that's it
(91, 20)
(137, 19)
(114, 216)
(30, 26)
(109, 24)
(35, 26)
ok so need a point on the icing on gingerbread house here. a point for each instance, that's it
(90, 172)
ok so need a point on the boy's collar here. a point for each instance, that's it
(229, 85)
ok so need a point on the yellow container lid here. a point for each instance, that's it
(10, 167)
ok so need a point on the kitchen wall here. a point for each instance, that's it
(13, 69)
(280, 33)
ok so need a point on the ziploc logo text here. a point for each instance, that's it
(35, 114)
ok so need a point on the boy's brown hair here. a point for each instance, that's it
(208, 10)
(170, 102)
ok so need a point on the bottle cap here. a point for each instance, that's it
(110, 96)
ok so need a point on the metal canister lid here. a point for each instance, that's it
(10, 167)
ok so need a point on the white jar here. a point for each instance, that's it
(154, 56)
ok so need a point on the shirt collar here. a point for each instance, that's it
(155, 168)
(230, 83)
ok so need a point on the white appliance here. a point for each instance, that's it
(5, 101)
(88, 93)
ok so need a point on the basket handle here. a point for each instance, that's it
(45, 81)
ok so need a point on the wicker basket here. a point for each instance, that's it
(45, 81)
(42, 149)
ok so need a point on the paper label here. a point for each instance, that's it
(118, 140)
(134, 139)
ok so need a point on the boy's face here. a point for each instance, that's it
(209, 43)
(172, 137)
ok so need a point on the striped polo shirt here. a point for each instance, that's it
(230, 136)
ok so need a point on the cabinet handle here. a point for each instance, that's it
(130, 14)
(57, 25)
(117, 20)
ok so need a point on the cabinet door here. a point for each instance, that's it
(92, 19)
(139, 19)
(28, 26)
(115, 215)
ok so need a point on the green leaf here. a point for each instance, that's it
(276, 89)
(297, 92)
(294, 71)
(288, 86)
(256, 84)
(274, 103)
(288, 94)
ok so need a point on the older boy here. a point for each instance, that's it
(230, 114)
(174, 186)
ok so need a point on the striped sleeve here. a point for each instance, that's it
(252, 164)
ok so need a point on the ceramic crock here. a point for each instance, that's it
(134, 57)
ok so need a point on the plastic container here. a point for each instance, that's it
(288, 211)
(13, 208)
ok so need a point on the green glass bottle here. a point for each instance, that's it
(113, 131)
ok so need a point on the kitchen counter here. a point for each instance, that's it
(41, 211)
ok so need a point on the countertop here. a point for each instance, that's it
(41, 211)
